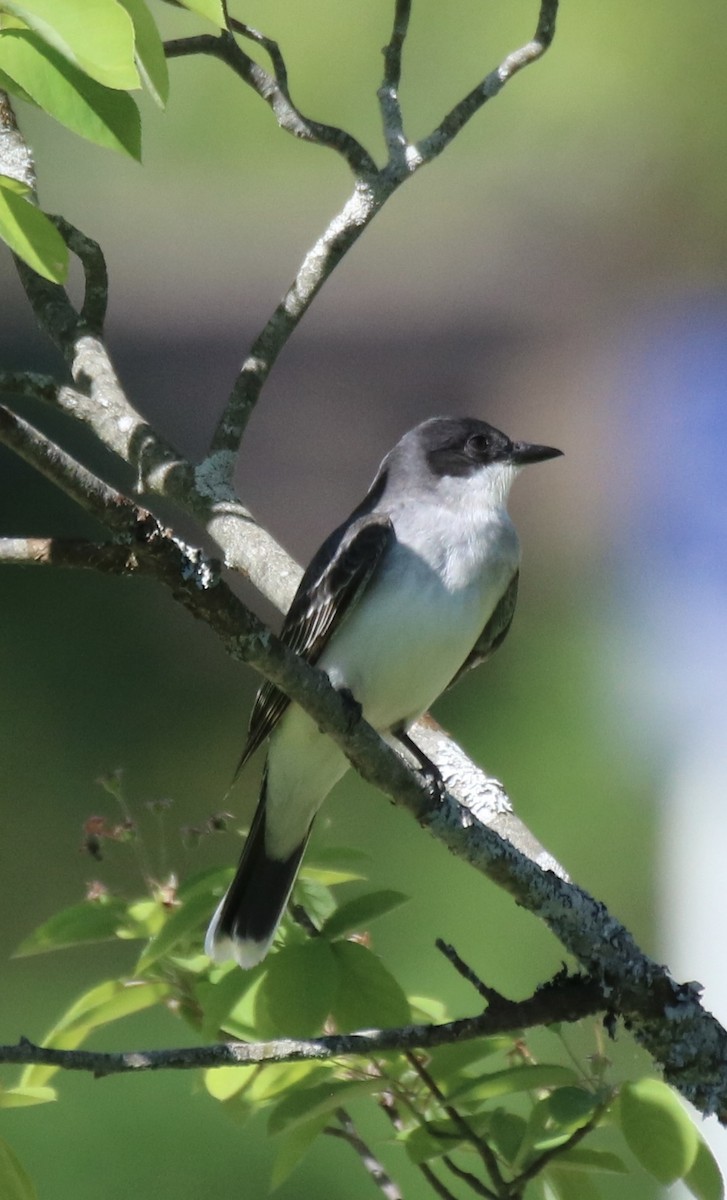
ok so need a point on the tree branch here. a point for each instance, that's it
(349, 1133)
(109, 558)
(563, 1000)
(388, 93)
(273, 89)
(317, 266)
(373, 188)
(473, 1183)
(479, 1144)
(437, 141)
(91, 258)
(16, 160)
(666, 1017)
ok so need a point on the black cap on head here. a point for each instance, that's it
(461, 446)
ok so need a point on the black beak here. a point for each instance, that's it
(525, 452)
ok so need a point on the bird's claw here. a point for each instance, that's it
(352, 708)
(431, 777)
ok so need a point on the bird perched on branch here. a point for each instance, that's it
(418, 585)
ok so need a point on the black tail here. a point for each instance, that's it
(250, 911)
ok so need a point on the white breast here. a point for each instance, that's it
(410, 634)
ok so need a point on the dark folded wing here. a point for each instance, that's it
(332, 584)
(495, 630)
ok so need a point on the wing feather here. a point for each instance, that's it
(495, 630)
(329, 589)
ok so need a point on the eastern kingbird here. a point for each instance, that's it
(416, 587)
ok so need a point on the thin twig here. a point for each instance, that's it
(91, 257)
(388, 93)
(466, 972)
(437, 141)
(387, 1104)
(33, 386)
(318, 265)
(90, 492)
(109, 558)
(348, 1131)
(522, 1015)
(486, 1153)
(273, 89)
(435, 1183)
(475, 1184)
(536, 1166)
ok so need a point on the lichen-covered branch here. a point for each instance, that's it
(350, 1134)
(562, 1000)
(317, 266)
(16, 160)
(373, 185)
(391, 114)
(493, 83)
(666, 1017)
(273, 89)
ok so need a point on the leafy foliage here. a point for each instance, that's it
(477, 1103)
(78, 60)
(441, 1106)
(28, 232)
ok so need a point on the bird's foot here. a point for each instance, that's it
(428, 771)
(431, 777)
(353, 709)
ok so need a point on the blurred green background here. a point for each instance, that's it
(516, 279)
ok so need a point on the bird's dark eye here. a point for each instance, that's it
(478, 446)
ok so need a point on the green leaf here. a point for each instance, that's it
(273, 1080)
(571, 1107)
(241, 1020)
(91, 921)
(461, 1058)
(144, 919)
(15, 1183)
(514, 1079)
(15, 185)
(335, 864)
(22, 1097)
(149, 54)
(123, 1000)
(592, 1160)
(179, 927)
(571, 1185)
(368, 996)
(211, 9)
(657, 1129)
(224, 1082)
(357, 913)
(315, 898)
(704, 1178)
(329, 876)
(438, 1138)
(97, 113)
(14, 89)
(217, 998)
(108, 1001)
(298, 989)
(96, 36)
(293, 1145)
(428, 1009)
(35, 239)
(303, 1104)
(507, 1132)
